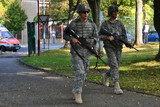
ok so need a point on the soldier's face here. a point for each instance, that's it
(84, 14)
(114, 14)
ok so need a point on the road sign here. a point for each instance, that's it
(43, 18)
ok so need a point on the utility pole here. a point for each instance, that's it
(44, 29)
(38, 29)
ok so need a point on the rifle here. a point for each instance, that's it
(83, 43)
(116, 37)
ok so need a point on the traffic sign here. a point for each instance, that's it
(43, 18)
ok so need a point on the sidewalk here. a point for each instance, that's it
(50, 47)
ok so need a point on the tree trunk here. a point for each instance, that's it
(144, 13)
(95, 7)
(138, 22)
(157, 23)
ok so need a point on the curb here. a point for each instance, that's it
(38, 68)
(90, 81)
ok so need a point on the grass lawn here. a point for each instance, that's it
(138, 70)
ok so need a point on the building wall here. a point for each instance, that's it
(30, 7)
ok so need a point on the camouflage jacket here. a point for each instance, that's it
(113, 27)
(86, 30)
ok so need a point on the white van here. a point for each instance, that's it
(7, 40)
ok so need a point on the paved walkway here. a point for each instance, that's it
(21, 86)
(26, 87)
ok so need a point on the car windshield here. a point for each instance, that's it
(6, 34)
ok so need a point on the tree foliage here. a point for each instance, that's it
(5, 2)
(1, 11)
(58, 9)
(3, 5)
(16, 17)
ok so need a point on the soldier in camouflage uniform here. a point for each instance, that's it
(85, 28)
(113, 48)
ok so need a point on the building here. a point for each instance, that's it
(31, 9)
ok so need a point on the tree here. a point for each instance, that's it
(1, 13)
(5, 2)
(157, 22)
(148, 11)
(72, 10)
(138, 23)
(16, 17)
(95, 7)
(3, 5)
(144, 13)
(58, 9)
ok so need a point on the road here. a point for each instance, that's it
(23, 51)
(21, 86)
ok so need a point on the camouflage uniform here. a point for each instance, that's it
(88, 31)
(113, 48)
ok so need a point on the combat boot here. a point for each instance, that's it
(78, 98)
(117, 89)
(105, 80)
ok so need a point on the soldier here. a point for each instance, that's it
(85, 28)
(113, 48)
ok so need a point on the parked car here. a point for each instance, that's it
(130, 37)
(7, 40)
(153, 36)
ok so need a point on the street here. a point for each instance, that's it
(23, 51)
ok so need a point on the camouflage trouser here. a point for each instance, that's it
(114, 60)
(80, 68)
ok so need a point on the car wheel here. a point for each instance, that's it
(3, 49)
(156, 40)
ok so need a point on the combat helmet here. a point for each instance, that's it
(82, 7)
(111, 9)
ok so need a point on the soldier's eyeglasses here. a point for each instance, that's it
(85, 12)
